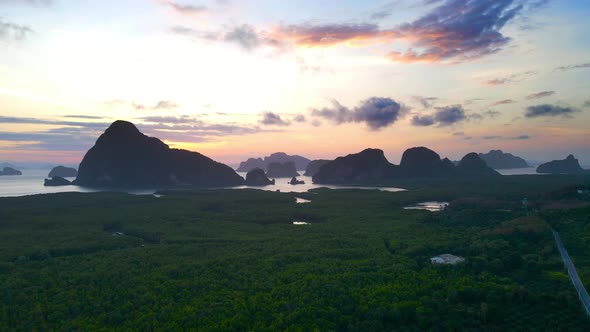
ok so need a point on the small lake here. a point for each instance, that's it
(299, 223)
(429, 206)
(301, 200)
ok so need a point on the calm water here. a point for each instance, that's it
(519, 171)
(283, 185)
(429, 206)
(31, 183)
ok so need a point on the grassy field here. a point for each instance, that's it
(232, 260)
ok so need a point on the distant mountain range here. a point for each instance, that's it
(569, 165)
(371, 166)
(278, 157)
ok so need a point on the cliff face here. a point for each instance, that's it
(369, 165)
(497, 159)
(314, 166)
(124, 157)
(281, 170)
(278, 157)
(569, 165)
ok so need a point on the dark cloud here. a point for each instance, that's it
(458, 30)
(576, 66)
(426, 102)
(548, 110)
(514, 78)
(423, 121)
(376, 112)
(273, 119)
(539, 95)
(89, 117)
(13, 32)
(449, 115)
(503, 102)
(497, 137)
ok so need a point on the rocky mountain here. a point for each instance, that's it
(423, 162)
(314, 166)
(569, 165)
(278, 157)
(10, 171)
(56, 181)
(281, 170)
(371, 166)
(124, 157)
(257, 177)
(64, 172)
(497, 159)
(473, 165)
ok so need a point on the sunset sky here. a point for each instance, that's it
(235, 79)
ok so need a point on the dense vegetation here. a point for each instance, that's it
(232, 260)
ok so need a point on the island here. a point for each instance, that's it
(497, 159)
(281, 170)
(256, 177)
(124, 157)
(64, 172)
(277, 157)
(569, 165)
(314, 166)
(9, 171)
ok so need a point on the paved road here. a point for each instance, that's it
(571, 270)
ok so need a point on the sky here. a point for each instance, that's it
(236, 79)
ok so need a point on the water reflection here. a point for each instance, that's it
(429, 206)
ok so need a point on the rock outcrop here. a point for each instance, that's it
(314, 166)
(284, 170)
(56, 181)
(10, 171)
(294, 181)
(569, 165)
(64, 172)
(278, 157)
(371, 166)
(256, 177)
(473, 165)
(367, 166)
(124, 157)
(497, 159)
(423, 162)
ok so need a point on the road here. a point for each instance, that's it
(571, 270)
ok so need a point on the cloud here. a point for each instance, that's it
(497, 137)
(13, 32)
(548, 110)
(89, 117)
(375, 112)
(299, 118)
(273, 119)
(587, 103)
(457, 30)
(426, 102)
(514, 78)
(161, 105)
(423, 121)
(186, 9)
(503, 102)
(449, 115)
(576, 66)
(245, 36)
(539, 95)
